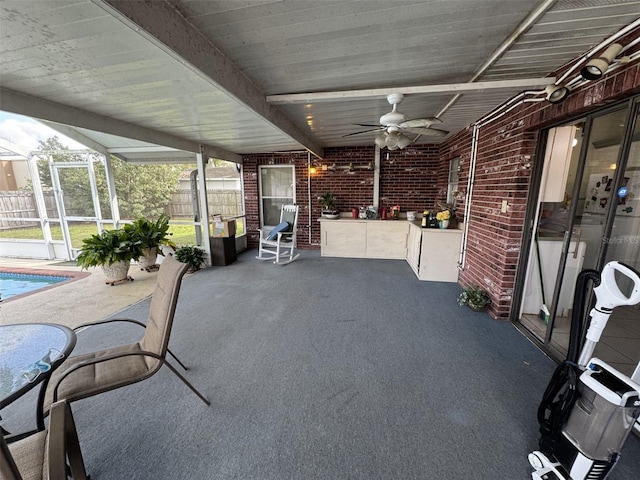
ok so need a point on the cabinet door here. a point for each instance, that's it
(413, 248)
(387, 239)
(439, 257)
(343, 239)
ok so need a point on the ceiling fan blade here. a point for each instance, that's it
(434, 132)
(420, 122)
(368, 125)
(364, 131)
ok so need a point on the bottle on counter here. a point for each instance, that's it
(383, 213)
(425, 219)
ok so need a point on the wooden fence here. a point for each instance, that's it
(21, 204)
(228, 203)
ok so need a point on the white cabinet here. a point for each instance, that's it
(355, 238)
(433, 254)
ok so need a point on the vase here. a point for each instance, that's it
(443, 224)
(117, 271)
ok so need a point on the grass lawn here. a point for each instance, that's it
(181, 234)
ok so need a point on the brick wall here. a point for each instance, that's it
(506, 152)
(416, 178)
(413, 178)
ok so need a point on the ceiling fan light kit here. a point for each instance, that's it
(394, 126)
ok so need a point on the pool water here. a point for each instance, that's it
(12, 284)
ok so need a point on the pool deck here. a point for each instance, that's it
(86, 298)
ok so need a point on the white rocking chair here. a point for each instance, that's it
(280, 242)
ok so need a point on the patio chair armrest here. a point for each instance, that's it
(106, 358)
(264, 233)
(112, 320)
(57, 440)
(64, 443)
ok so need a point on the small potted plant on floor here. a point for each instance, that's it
(192, 256)
(329, 202)
(152, 235)
(475, 298)
(112, 250)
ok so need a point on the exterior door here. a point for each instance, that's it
(574, 212)
(77, 201)
(277, 188)
(620, 342)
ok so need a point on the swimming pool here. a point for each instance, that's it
(13, 284)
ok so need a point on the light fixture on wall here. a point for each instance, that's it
(556, 93)
(351, 167)
(312, 170)
(596, 67)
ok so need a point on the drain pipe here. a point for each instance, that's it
(309, 192)
(467, 205)
(376, 178)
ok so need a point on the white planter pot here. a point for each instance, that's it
(116, 271)
(148, 258)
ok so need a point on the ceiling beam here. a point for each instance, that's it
(73, 134)
(294, 98)
(40, 108)
(165, 27)
(14, 149)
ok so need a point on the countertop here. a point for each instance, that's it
(416, 223)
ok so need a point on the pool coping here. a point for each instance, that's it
(71, 276)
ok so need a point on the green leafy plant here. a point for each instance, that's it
(107, 248)
(191, 255)
(151, 233)
(329, 202)
(474, 297)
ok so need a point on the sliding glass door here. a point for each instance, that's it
(582, 198)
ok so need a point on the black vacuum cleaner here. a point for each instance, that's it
(589, 408)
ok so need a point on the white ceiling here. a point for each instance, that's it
(184, 73)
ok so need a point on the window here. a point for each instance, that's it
(452, 187)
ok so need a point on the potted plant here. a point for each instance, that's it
(475, 298)
(151, 235)
(329, 202)
(443, 218)
(192, 256)
(112, 250)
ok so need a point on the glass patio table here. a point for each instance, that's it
(29, 353)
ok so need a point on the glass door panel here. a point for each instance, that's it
(578, 179)
(592, 196)
(552, 222)
(277, 188)
(620, 341)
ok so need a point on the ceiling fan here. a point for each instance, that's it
(398, 132)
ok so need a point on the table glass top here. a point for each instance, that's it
(26, 351)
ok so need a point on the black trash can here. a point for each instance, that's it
(223, 250)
